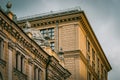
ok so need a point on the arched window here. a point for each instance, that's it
(1, 78)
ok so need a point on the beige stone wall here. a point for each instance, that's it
(82, 40)
(72, 63)
(67, 42)
(69, 64)
(68, 38)
(72, 37)
(83, 70)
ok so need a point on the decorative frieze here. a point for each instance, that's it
(53, 22)
(11, 30)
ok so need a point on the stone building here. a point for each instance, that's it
(21, 58)
(71, 31)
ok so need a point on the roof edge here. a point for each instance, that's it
(110, 68)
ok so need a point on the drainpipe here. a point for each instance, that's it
(48, 62)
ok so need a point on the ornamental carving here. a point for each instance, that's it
(20, 38)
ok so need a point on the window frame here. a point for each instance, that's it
(88, 46)
(51, 32)
(20, 65)
(93, 54)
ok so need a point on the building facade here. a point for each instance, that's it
(71, 31)
(21, 58)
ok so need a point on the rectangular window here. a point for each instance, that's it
(19, 62)
(93, 54)
(34, 73)
(98, 63)
(101, 68)
(43, 32)
(88, 59)
(89, 76)
(50, 30)
(98, 74)
(93, 65)
(88, 46)
(17, 55)
(52, 45)
(22, 64)
(51, 33)
(39, 74)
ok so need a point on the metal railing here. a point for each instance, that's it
(77, 8)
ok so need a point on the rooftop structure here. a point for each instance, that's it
(71, 30)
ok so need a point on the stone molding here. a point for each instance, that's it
(22, 40)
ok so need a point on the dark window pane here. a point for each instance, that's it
(50, 30)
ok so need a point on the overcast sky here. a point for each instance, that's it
(103, 15)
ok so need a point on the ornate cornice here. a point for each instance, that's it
(21, 37)
(89, 33)
(52, 21)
